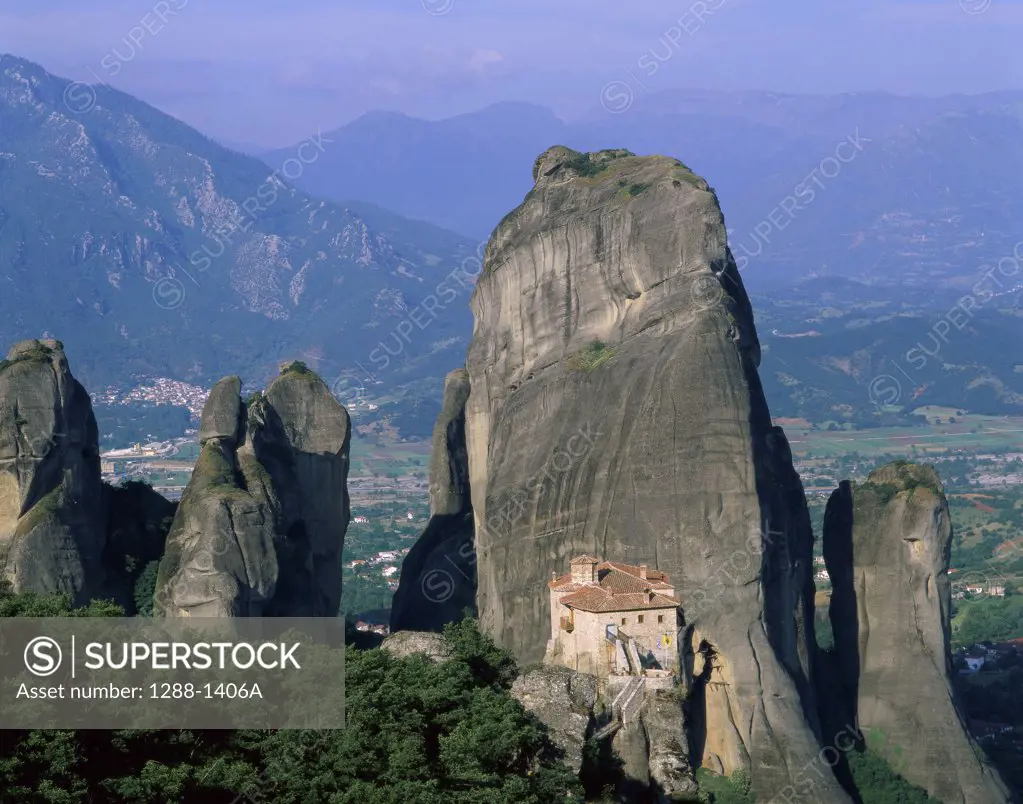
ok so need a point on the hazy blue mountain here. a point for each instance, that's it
(149, 249)
(837, 350)
(247, 148)
(463, 173)
(931, 192)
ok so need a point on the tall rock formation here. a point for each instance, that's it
(438, 578)
(886, 546)
(260, 528)
(52, 517)
(615, 409)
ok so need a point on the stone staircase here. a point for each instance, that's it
(625, 707)
(627, 703)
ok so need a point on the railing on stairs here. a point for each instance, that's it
(625, 707)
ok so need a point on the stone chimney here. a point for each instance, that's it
(584, 569)
(642, 571)
(554, 575)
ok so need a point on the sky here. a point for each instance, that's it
(271, 72)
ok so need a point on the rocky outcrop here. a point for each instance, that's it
(886, 546)
(438, 577)
(668, 760)
(52, 517)
(615, 409)
(260, 528)
(563, 701)
(408, 643)
(653, 748)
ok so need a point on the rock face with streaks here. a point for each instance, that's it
(260, 528)
(438, 577)
(52, 517)
(886, 544)
(615, 410)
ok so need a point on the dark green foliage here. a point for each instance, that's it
(490, 665)
(988, 620)
(734, 789)
(296, 367)
(590, 165)
(418, 732)
(584, 165)
(877, 783)
(27, 604)
(594, 355)
(634, 189)
(145, 588)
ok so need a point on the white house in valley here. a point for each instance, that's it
(613, 619)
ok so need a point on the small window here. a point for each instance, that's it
(660, 618)
(623, 621)
(640, 618)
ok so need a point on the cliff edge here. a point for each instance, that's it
(886, 545)
(52, 516)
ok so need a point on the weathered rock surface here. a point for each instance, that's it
(260, 528)
(562, 700)
(886, 546)
(438, 577)
(52, 517)
(221, 416)
(668, 760)
(615, 409)
(407, 643)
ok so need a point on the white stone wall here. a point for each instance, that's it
(659, 638)
(586, 649)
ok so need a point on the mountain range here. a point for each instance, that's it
(884, 188)
(152, 250)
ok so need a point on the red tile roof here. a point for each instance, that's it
(654, 579)
(619, 587)
(632, 569)
(593, 598)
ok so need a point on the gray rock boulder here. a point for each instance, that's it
(260, 528)
(668, 762)
(886, 546)
(562, 700)
(409, 643)
(222, 415)
(615, 409)
(52, 517)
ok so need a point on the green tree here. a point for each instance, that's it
(419, 732)
(877, 783)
